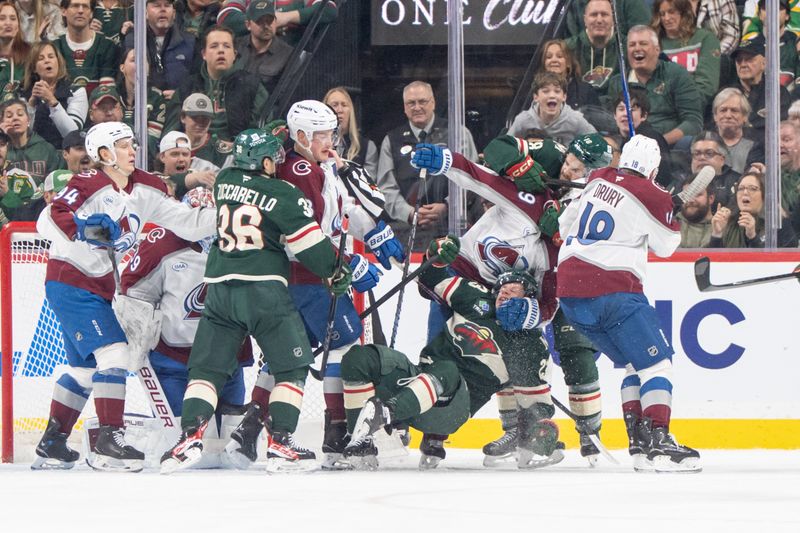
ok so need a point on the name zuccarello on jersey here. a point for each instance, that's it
(608, 194)
(243, 195)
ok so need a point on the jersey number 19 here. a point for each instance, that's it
(593, 227)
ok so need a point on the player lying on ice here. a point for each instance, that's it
(459, 370)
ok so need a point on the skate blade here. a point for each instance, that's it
(429, 462)
(279, 465)
(235, 458)
(498, 461)
(104, 463)
(664, 465)
(592, 460)
(172, 464)
(335, 461)
(50, 463)
(602, 449)
(642, 464)
(364, 463)
(531, 461)
(361, 430)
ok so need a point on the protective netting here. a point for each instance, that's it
(38, 354)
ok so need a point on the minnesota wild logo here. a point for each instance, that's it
(474, 340)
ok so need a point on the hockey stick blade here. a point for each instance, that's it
(592, 437)
(702, 276)
(698, 184)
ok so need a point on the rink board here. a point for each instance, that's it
(737, 354)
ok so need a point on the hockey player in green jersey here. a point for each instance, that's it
(459, 370)
(260, 220)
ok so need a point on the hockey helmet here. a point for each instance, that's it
(592, 149)
(311, 116)
(641, 155)
(516, 275)
(105, 135)
(251, 147)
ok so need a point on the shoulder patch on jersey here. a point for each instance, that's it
(156, 234)
(481, 307)
(302, 167)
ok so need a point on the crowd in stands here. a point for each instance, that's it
(695, 71)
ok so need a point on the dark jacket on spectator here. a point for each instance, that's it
(723, 186)
(42, 123)
(580, 94)
(758, 103)
(267, 66)
(597, 65)
(174, 63)
(208, 19)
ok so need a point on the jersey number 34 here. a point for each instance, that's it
(593, 227)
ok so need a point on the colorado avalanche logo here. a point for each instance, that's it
(195, 302)
(156, 234)
(302, 168)
(131, 222)
(474, 340)
(499, 256)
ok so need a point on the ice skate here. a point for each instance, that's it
(373, 416)
(666, 455)
(334, 441)
(242, 448)
(362, 455)
(588, 449)
(285, 455)
(639, 438)
(112, 454)
(52, 452)
(502, 450)
(187, 451)
(539, 447)
(432, 450)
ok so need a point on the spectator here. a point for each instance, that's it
(562, 123)
(754, 27)
(750, 66)
(695, 219)
(743, 225)
(721, 18)
(731, 111)
(14, 51)
(27, 150)
(237, 95)
(170, 52)
(54, 183)
(196, 17)
(156, 103)
(695, 49)
(105, 105)
(21, 199)
(790, 172)
(175, 156)
(113, 18)
(675, 109)
(73, 150)
(91, 57)
(709, 149)
(640, 110)
(57, 106)
(259, 51)
(39, 20)
(208, 152)
(557, 58)
(595, 48)
(293, 15)
(794, 112)
(400, 182)
(352, 144)
(629, 12)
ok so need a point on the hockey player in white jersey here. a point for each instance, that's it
(601, 269)
(100, 210)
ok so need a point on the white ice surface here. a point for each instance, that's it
(738, 491)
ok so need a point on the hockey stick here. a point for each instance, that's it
(622, 74)
(423, 173)
(702, 275)
(326, 343)
(592, 436)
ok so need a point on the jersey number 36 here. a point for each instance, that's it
(239, 230)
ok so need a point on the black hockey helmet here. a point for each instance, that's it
(516, 275)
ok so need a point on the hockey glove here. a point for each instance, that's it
(365, 274)
(509, 156)
(97, 229)
(519, 313)
(446, 248)
(434, 158)
(341, 280)
(385, 245)
(527, 175)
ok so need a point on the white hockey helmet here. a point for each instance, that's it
(642, 155)
(104, 135)
(311, 116)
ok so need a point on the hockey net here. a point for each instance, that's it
(33, 354)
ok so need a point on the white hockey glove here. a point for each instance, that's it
(141, 322)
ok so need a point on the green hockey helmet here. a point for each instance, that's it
(592, 149)
(516, 275)
(251, 147)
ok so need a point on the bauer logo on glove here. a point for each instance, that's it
(384, 244)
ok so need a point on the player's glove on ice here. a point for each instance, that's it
(341, 280)
(436, 159)
(385, 245)
(365, 274)
(446, 248)
(97, 229)
(519, 313)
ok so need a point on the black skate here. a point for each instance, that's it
(52, 452)
(373, 416)
(502, 450)
(432, 450)
(187, 451)
(639, 438)
(242, 449)
(334, 441)
(666, 455)
(362, 455)
(285, 455)
(539, 446)
(588, 449)
(112, 454)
